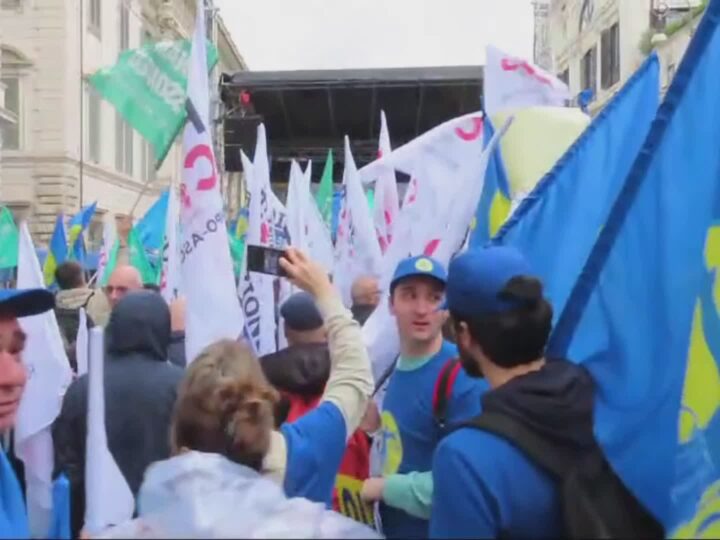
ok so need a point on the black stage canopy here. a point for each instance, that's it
(307, 112)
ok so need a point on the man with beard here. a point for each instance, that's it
(485, 483)
(425, 372)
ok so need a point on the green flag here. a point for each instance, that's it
(8, 239)
(148, 87)
(137, 258)
(370, 194)
(237, 251)
(324, 195)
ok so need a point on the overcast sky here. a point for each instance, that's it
(337, 34)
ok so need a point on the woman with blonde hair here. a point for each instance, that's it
(232, 474)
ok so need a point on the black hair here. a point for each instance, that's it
(151, 287)
(517, 336)
(69, 275)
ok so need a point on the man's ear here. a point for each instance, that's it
(462, 335)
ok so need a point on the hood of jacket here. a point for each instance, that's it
(556, 401)
(73, 298)
(139, 324)
(203, 495)
(299, 369)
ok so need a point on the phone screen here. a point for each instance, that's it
(265, 260)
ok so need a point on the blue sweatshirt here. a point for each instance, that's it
(409, 428)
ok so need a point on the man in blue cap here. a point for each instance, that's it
(426, 391)
(13, 305)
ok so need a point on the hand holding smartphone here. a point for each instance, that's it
(265, 260)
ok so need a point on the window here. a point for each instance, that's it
(565, 76)
(95, 232)
(10, 4)
(610, 51)
(588, 70)
(124, 26)
(148, 162)
(95, 17)
(123, 146)
(10, 132)
(94, 124)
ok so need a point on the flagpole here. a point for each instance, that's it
(82, 91)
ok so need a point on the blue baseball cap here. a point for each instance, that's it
(419, 266)
(476, 278)
(26, 302)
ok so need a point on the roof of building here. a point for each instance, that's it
(307, 112)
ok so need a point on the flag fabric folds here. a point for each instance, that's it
(49, 375)
(156, 111)
(8, 239)
(206, 268)
(151, 227)
(57, 251)
(646, 299)
(76, 227)
(324, 195)
(571, 203)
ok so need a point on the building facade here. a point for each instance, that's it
(63, 147)
(597, 44)
(542, 49)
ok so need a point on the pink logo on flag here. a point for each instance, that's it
(198, 152)
(473, 133)
(431, 246)
(511, 64)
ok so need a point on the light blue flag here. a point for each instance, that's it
(151, 228)
(494, 206)
(76, 227)
(557, 224)
(60, 523)
(13, 518)
(630, 317)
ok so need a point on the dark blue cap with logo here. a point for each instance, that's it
(300, 313)
(477, 277)
(419, 266)
(25, 302)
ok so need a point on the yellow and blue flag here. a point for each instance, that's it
(643, 316)
(495, 200)
(557, 224)
(151, 228)
(76, 227)
(57, 251)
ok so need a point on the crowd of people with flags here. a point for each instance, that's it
(474, 359)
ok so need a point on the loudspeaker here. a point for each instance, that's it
(239, 133)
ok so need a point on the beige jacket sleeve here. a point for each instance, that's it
(98, 308)
(351, 382)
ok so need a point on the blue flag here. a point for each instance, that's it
(556, 226)
(60, 524)
(13, 518)
(494, 206)
(76, 227)
(57, 251)
(630, 316)
(151, 228)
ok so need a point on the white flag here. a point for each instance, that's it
(81, 344)
(513, 83)
(441, 239)
(386, 195)
(170, 275)
(296, 207)
(357, 251)
(213, 310)
(49, 375)
(256, 289)
(108, 498)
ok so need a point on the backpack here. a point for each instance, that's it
(595, 502)
(68, 320)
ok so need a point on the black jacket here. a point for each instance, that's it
(556, 402)
(140, 392)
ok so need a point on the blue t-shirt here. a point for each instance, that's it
(315, 448)
(410, 432)
(484, 487)
(13, 519)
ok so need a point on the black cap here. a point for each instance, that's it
(26, 302)
(301, 313)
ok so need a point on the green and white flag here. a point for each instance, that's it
(8, 239)
(324, 195)
(137, 258)
(148, 87)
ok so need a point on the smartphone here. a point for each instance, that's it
(265, 260)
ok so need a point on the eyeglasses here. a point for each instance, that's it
(109, 289)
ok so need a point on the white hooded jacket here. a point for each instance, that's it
(201, 495)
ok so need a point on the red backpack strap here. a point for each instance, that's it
(444, 388)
